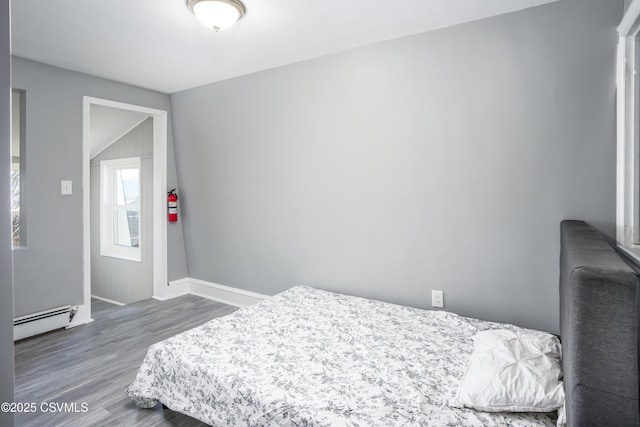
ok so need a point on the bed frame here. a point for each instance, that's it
(599, 330)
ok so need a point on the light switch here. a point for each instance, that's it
(66, 188)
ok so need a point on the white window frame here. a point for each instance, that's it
(107, 206)
(628, 135)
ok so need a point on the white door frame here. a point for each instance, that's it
(159, 201)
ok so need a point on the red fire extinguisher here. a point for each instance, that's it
(173, 206)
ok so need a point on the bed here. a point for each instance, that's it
(308, 357)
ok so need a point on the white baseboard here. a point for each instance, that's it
(225, 294)
(110, 301)
(176, 288)
(221, 293)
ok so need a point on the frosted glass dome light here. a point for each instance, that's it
(217, 14)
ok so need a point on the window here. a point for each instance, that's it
(18, 169)
(120, 211)
(628, 133)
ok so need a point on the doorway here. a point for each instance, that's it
(156, 121)
(121, 175)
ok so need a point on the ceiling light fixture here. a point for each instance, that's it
(217, 14)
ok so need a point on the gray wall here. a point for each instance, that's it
(54, 152)
(444, 160)
(118, 279)
(6, 281)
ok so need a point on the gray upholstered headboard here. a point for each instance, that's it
(599, 330)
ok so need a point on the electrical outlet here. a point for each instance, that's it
(437, 299)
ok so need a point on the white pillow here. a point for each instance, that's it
(513, 372)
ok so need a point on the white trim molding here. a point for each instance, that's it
(213, 291)
(629, 19)
(160, 135)
(175, 288)
(79, 321)
(110, 301)
(224, 294)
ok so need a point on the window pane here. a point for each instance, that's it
(121, 236)
(15, 206)
(126, 228)
(127, 187)
(133, 218)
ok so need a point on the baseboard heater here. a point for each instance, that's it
(41, 322)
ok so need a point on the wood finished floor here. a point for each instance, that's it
(94, 363)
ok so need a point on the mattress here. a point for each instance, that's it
(308, 357)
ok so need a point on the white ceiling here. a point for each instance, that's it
(159, 44)
(107, 125)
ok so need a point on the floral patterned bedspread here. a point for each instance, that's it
(308, 357)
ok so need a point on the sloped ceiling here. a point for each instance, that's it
(159, 44)
(107, 125)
